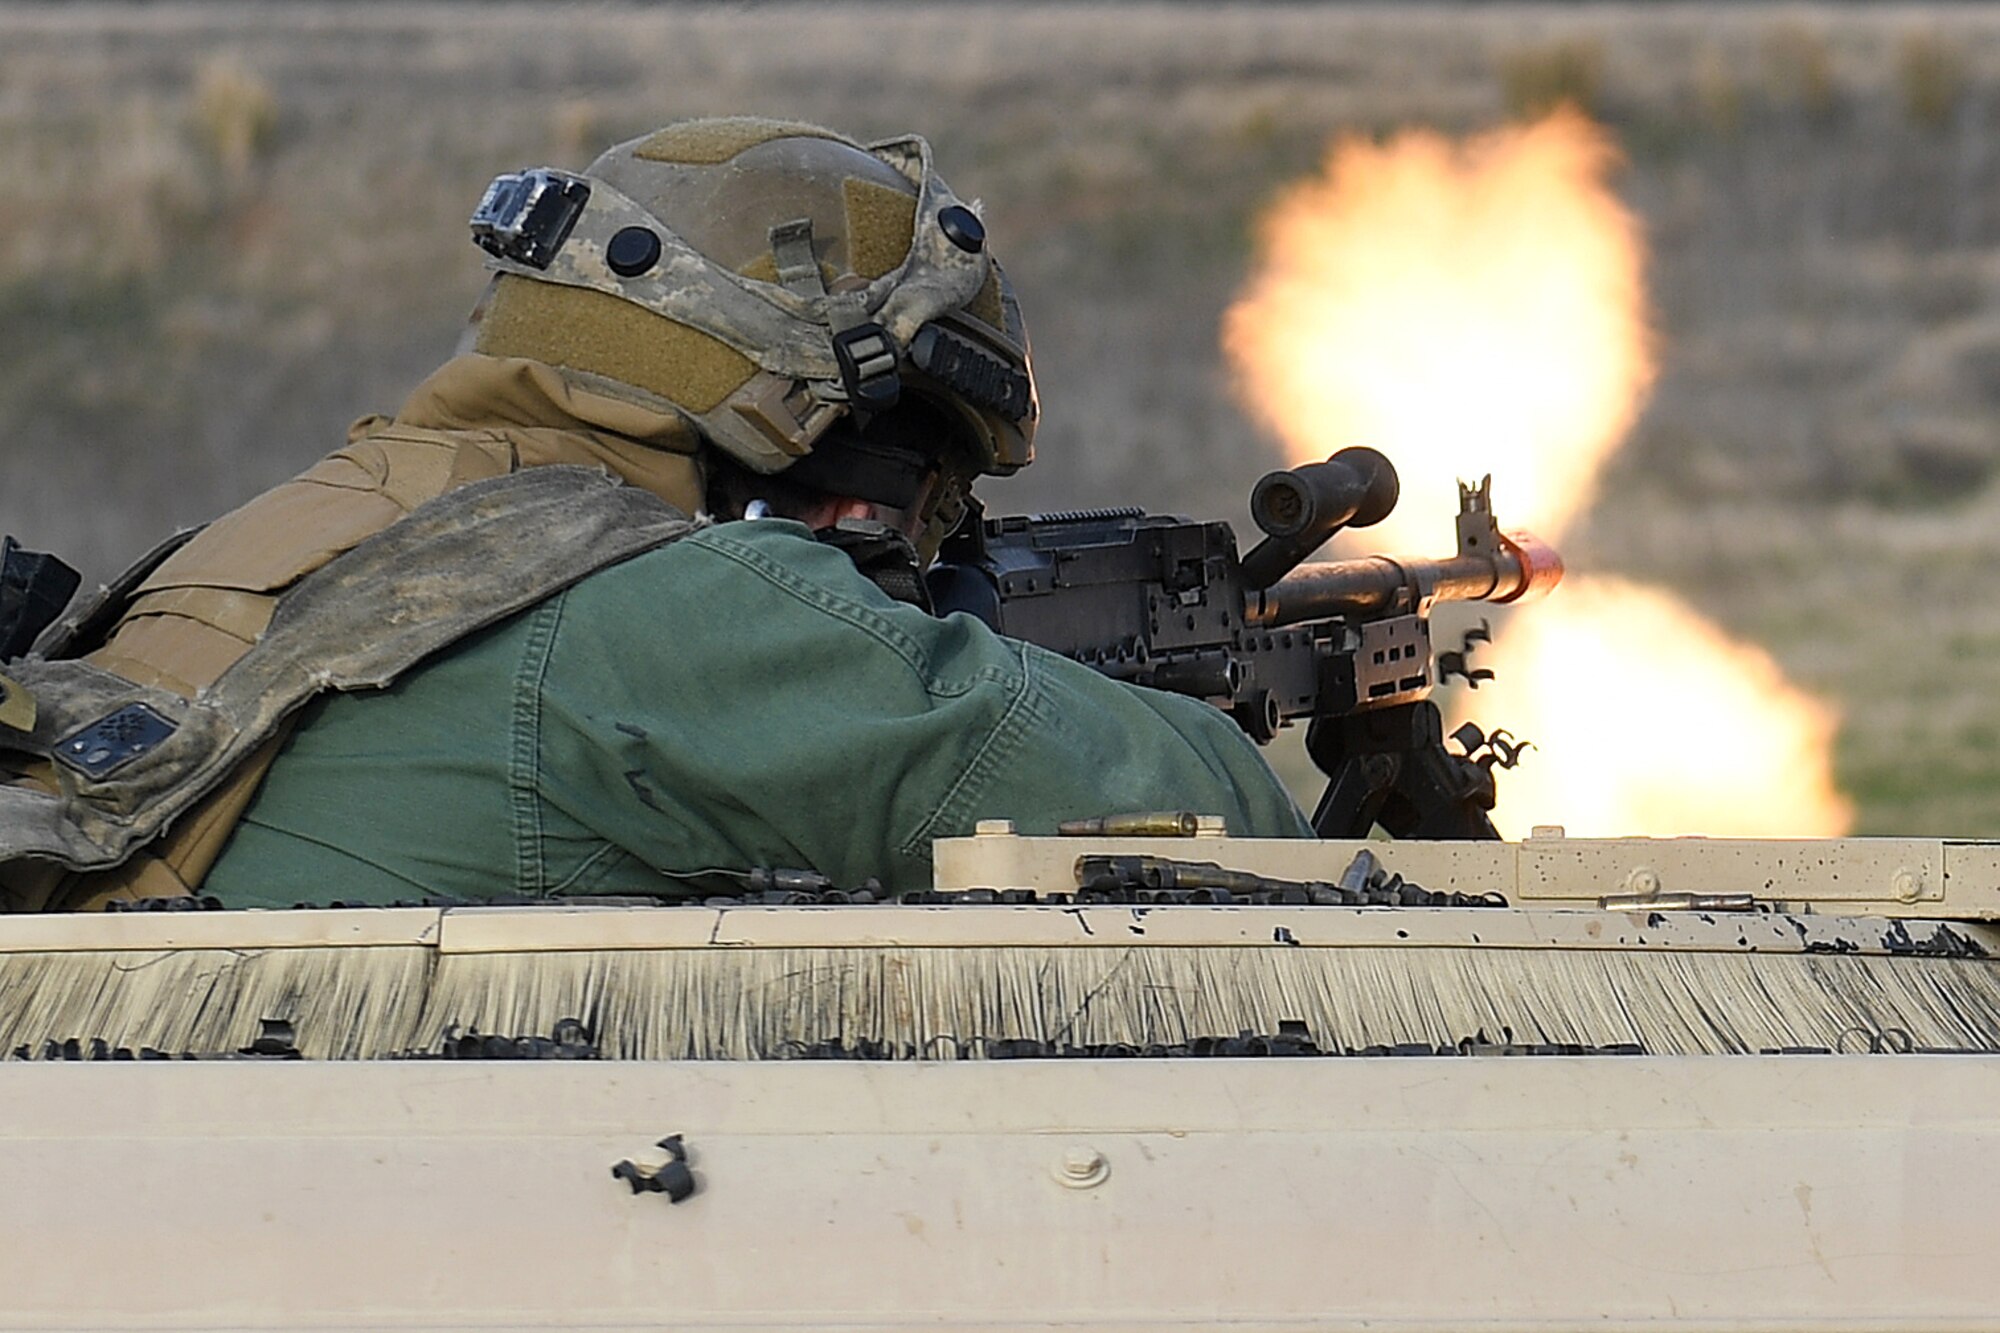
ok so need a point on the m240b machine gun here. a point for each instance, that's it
(1345, 645)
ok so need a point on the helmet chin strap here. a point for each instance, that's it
(885, 556)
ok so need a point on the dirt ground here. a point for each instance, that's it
(228, 229)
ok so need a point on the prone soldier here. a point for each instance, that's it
(626, 598)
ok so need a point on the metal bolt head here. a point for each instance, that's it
(1907, 885)
(1644, 881)
(1082, 1167)
(962, 228)
(632, 251)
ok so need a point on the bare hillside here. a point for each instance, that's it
(230, 229)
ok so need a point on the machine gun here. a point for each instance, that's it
(1165, 602)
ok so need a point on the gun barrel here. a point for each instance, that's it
(1524, 568)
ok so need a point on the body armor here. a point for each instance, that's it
(174, 645)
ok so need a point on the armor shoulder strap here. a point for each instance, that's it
(87, 622)
(129, 758)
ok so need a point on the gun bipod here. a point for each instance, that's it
(1389, 766)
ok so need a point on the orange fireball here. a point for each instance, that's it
(1465, 308)
(1479, 306)
(1648, 719)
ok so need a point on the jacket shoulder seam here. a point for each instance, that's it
(524, 787)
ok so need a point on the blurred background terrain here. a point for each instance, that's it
(226, 230)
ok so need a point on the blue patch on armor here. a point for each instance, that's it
(111, 742)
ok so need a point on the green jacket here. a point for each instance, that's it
(741, 698)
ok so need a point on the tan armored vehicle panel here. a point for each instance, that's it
(1793, 1192)
(1032, 1099)
(1928, 878)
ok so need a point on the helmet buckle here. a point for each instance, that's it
(868, 371)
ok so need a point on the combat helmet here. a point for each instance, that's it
(777, 285)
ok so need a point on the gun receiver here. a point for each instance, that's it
(1166, 602)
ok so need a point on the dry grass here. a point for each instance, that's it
(1933, 79)
(235, 115)
(1536, 80)
(246, 226)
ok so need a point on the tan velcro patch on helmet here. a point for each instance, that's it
(600, 334)
(705, 143)
(880, 225)
(986, 306)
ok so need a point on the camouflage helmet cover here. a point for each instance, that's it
(767, 279)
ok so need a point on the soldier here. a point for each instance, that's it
(452, 659)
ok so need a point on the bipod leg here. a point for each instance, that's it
(1358, 780)
(1390, 767)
